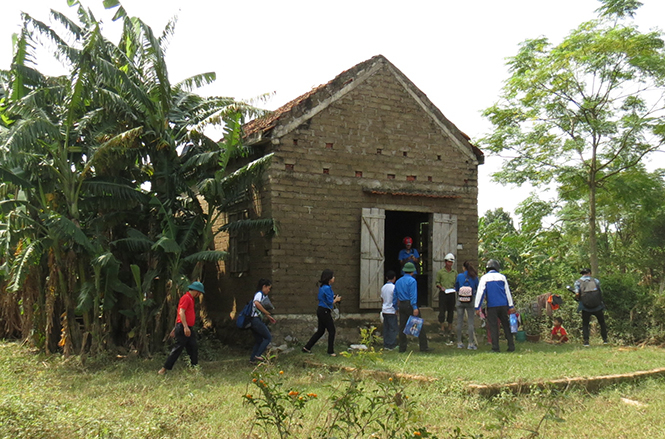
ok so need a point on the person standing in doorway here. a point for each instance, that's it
(494, 288)
(327, 300)
(183, 332)
(590, 297)
(445, 282)
(406, 303)
(389, 312)
(409, 254)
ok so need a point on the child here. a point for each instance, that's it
(559, 333)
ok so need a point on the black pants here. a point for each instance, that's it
(405, 310)
(586, 318)
(446, 306)
(326, 323)
(495, 315)
(183, 342)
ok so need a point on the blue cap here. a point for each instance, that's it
(197, 286)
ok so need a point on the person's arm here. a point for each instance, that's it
(413, 297)
(479, 296)
(511, 305)
(183, 320)
(260, 307)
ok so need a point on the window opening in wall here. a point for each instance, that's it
(438, 157)
(329, 146)
(359, 173)
(326, 171)
(238, 244)
(404, 153)
(429, 178)
(289, 167)
(410, 178)
(379, 150)
(391, 176)
(295, 142)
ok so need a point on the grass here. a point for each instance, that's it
(51, 397)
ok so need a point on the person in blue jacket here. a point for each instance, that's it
(405, 300)
(493, 287)
(327, 300)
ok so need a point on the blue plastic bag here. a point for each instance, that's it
(413, 326)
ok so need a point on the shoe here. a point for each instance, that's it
(428, 349)
(449, 343)
(333, 354)
(162, 371)
(511, 350)
(460, 345)
(586, 345)
(305, 350)
(606, 342)
(257, 360)
(472, 347)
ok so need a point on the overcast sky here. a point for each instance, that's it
(454, 51)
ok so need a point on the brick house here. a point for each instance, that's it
(358, 163)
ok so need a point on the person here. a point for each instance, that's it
(262, 336)
(494, 288)
(445, 282)
(559, 334)
(408, 254)
(469, 280)
(586, 285)
(327, 301)
(185, 337)
(389, 312)
(405, 301)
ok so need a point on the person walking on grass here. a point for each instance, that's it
(389, 312)
(493, 287)
(183, 332)
(327, 301)
(445, 282)
(466, 286)
(406, 303)
(590, 297)
(262, 336)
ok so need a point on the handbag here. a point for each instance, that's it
(413, 326)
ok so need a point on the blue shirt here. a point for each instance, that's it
(326, 296)
(404, 255)
(406, 288)
(462, 281)
(494, 287)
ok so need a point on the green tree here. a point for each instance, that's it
(584, 111)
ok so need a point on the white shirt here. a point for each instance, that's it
(387, 292)
(257, 297)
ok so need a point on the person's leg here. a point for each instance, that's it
(180, 342)
(442, 310)
(329, 324)
(405, 311)
(263, 339)
(492, 322)
(470, 317)
(422, 338)
(321, 329)
(192, 347)
(450, 305)
(505, 322)
(460, 323)
(600, 315)
(586, 317)
(390, 331)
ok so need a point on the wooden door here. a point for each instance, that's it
(444, 240)
(372, 257)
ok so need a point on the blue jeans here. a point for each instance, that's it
(389, 331)
(261, 335)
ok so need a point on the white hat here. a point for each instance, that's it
(449, 257)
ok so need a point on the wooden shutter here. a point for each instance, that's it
(444, 241)
(372, 258)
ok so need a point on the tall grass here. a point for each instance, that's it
(49, 397)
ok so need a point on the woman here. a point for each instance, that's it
(260, 330)
(466, 286)
(327, 299)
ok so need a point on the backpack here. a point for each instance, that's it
(244, 319)
(465, 293)
(590, 294)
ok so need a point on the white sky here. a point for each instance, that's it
(454, 51)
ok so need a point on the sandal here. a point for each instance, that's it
(333, 354)
(305, 350)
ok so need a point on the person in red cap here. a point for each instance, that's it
(185, 337)
(409, 254)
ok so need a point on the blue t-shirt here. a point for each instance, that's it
(404, 255)
(406, 288)
(326, 296)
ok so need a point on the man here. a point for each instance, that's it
(185, 338)
(445, 282)
(590, 297)
(408, 254)
(493, 287)
(388, 312)
(406, 302)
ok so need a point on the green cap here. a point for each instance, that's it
(196, 286)
(409, 267)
